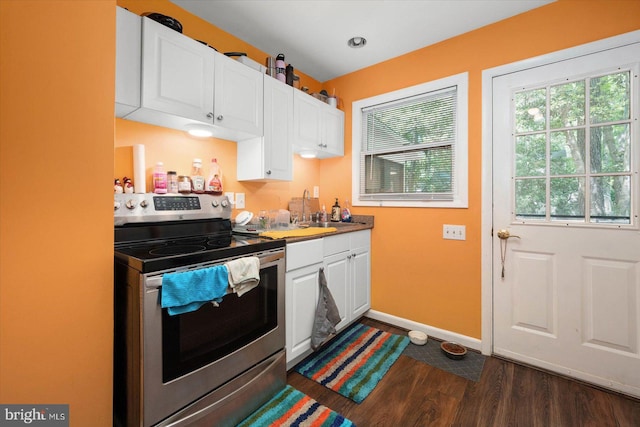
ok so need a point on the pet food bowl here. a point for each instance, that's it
(453, 350)
(418, 338)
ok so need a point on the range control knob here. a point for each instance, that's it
(225, 203)
(116, 206)
(214, 203)
(131, 204)
(144, 204)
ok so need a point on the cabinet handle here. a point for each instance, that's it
(348, 256)
(353, 255)
(210, 116)
(268, 172)
(220, 117)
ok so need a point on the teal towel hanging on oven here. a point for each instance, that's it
(187, 291)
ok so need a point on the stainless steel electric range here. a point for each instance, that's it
(211, 366)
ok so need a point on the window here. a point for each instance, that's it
(410, 146)
(573, 151)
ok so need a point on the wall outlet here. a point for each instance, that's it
(230, 195)
(239, 201)
(316, 192)
(454, 232)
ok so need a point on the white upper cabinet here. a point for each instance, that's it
(128, 51)
(238, 96)
(318, 127)
(270, 157)
(177, 73)
(188, 84)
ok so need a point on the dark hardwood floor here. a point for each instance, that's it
(416, 394)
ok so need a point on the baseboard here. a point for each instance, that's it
(432, 331)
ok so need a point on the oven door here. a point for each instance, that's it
(188, 355)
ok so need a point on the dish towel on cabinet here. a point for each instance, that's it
(244, 274)
(187, 291)
(327, 314)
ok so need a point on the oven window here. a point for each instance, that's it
(193, 340)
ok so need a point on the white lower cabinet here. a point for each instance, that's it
(347, 264)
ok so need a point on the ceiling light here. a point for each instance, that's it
(357, 42)
(200, 131)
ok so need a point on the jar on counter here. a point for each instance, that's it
(184, 184)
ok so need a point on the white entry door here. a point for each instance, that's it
(566, 154)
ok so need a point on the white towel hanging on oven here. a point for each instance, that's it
(244, 274)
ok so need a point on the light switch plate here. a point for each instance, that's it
(316, 192)
(239, 201)
(454, 232)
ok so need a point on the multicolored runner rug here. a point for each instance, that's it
(291, 407)
(355, 361)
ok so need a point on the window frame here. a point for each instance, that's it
(461, 183)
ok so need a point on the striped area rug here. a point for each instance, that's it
(291, 407)
(355, 361)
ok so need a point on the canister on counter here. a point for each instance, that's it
(184, 184)
(172, 182)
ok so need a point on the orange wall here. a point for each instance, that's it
(415, 273)
(56, 232)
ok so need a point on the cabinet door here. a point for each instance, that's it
(333, 132)
(238, 97)
(128, 54)
(307, 121)
(338, 274)
(361, 281)
(177, 73)
(278, 130)
(301, 298)
(270, 157)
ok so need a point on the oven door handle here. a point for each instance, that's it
(155, 282)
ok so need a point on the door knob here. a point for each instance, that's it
(504, 234)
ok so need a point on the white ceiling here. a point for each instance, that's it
(313, 34)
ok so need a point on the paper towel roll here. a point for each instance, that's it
(139, 171)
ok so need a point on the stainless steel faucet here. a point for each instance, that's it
(305, 194)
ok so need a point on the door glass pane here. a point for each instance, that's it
(567, 199)
(531, 195)
(531, 155)
(610, 149)
(567, 152)
(589, 154)
(611, 199)
(566, 106)
(531, 107)
(610, 98)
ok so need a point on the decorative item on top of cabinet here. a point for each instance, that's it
(318, 127)
(270, 157)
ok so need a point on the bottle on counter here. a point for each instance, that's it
(214, 182)
(281, 68)
(335, 211)
(159, 179)
(197, 177)
(323, 215)
(172, 182)
(346, 213)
